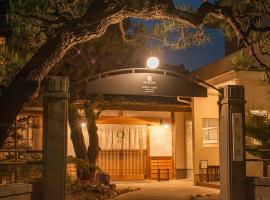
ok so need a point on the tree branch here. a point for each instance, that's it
(39, 18)
(93, 25)
(124, 35)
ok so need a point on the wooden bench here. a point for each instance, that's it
(161, 168)
(163, 171)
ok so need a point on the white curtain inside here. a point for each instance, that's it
(115, 136)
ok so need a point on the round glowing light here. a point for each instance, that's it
(83, 124)
(152, 62)
(166, 125)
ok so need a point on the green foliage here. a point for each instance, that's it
(31, 23)
(22, 173)
(258, 127)
(106, 53)
(184, 5)
(136, 4)
(27, 37)
(82, 165)
(243, 62)
(179, 36)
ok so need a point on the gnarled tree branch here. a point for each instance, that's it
(92, 25)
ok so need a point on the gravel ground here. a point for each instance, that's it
(167, 190)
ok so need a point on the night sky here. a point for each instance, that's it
(196, 57)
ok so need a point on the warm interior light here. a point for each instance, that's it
(83, 124)
(259, 112)
(152, 62)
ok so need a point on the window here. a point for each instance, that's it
(210, 131)
(23, 133)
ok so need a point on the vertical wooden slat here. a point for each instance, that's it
(148, 165)
(126, 161)
(113, 164)
(173, 144)
(123, 162)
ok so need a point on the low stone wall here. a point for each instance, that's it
(20, 192)
(258, 188)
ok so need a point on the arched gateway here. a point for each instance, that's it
(142, 82)
(148, 83)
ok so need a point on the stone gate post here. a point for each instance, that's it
(55, 107)
(232, 143)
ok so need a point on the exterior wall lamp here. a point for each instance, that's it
(152, 62)
(165, 124)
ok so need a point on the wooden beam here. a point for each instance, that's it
(130, 120)
(150, 107)
(144, 107)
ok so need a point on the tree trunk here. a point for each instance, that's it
(26, 83)
(93, 148)
(77, 139)
(265, 168)
(93, 25)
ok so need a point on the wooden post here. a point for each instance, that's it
(55, 138)
(173, 145)
(232, 143)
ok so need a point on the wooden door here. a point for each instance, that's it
(123, 163)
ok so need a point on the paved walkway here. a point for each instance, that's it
(164, 190)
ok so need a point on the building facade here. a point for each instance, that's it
(160, 138)
(206, 111)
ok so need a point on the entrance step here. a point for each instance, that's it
(215, 184)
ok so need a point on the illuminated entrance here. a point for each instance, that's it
(232, 150)
(131, 142)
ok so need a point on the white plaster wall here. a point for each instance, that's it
(204, 108)
(160, 141)
(207, 108)
(189, 141)
(257, 94)
(257, 90)
(180, 157)
(184, 144)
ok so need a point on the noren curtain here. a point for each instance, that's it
(115, 136)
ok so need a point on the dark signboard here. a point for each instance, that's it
(155, 83)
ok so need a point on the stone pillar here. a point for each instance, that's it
(55, 137)
(232, 150)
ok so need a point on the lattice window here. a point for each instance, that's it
(210, 131)
(22, 133)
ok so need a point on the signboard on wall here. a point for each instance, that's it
(237, 132)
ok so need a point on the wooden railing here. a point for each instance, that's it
(18, 166)
(208, 175)
(212, 173)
